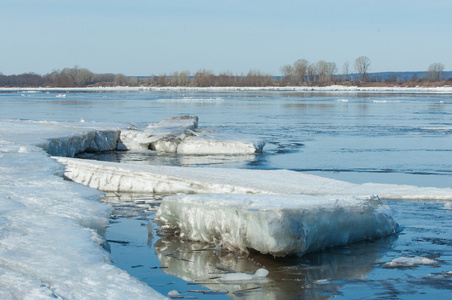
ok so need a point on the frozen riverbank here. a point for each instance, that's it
(52, 230)
(331, 88)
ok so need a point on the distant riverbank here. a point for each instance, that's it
(331, 88)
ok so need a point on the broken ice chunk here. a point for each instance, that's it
(276, 224)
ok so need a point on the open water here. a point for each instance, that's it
(356, 137)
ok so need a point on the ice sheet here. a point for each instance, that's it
(114, 177)
(51, 230)
(276, 224)
(63, 139)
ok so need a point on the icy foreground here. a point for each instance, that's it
(181, 135)
(51, 230)
(275, 224)
(280, 218)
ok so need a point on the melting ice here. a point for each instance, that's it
(51, 237)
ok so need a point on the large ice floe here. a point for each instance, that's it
(274, 224)
(181, 135)
(134, 178)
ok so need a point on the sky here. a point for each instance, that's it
(147, 37)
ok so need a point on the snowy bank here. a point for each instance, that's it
(51, 230)
(133, 178)
(331, 88)
(275, 224)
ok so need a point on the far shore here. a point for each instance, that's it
(332, 88)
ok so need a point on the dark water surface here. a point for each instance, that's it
(356, 137)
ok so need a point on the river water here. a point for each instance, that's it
(357, 137)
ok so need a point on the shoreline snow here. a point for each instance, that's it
(52, 230)
(331, 88)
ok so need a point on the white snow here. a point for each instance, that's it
(181, 135)
(173, 293)
(51, 229)
(63, 139)
(404, 262)
(236, 277)
(211, 142)
(275, 224)
(240, 277)
(261, 273)
(192, 100)
(114, 177)
(331, 88)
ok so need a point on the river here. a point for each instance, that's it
(359, 137)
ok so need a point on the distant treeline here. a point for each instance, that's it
(300, 73)
(68, 77)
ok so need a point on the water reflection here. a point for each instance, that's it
(313, 276)
(153, 158)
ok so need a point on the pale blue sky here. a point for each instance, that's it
(144, 37)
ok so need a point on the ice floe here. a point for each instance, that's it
(181, 135)
(407, 262)
(240, 277)
(275, 224)
(115, 177)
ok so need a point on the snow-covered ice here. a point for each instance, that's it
(62, 138)
(259, 275)
(181, 135)
(210, 142)
(275, 224)
(133, 178)
(163, 136)
(241, 221)
(51, 230)
(405, 262)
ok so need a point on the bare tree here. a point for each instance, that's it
(312, 72)
(325, 71)
(345, 71)
(300, 68)
(289, 73)
(435, 71)
(362, 66)
(184, 78)
(163, 80)
(204, 78)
